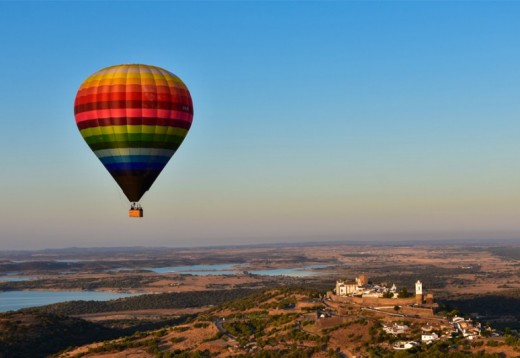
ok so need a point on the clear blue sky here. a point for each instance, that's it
(313, 121)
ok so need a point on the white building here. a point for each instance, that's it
(345, 288)
(466, 328)
(418, 293)
(429, 337)
(404, 345)
(396, 329)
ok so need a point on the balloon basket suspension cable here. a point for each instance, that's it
(136, 210)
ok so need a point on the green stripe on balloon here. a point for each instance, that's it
(136, 138)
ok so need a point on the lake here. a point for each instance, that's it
(292, 272)
(230, 269)
(14, 300)
(16, 278)
(198, 270)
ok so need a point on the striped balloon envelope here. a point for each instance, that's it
(133, 117)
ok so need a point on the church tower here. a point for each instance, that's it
(418, 293)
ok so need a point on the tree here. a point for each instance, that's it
(397, 308)
(453, 313)
(403, 293)
(388, 294)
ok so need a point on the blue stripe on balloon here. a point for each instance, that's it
(134, 166)
(134, 158)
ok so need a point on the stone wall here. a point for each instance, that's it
(404, 303)
(421, 311)
(376, 301)
(372, 301)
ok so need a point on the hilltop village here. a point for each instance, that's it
(399, 303)
(363, 291)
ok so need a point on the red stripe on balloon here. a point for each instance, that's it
(103, 122)
(133, 113)
(185, 107)
(135, 95)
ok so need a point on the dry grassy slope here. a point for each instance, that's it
(278, 322)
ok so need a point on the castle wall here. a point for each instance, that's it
(373, 301)
(421, 311)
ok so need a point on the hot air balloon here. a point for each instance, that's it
(133, 117)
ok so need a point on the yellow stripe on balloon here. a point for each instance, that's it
(134, 129)
(121, 75)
